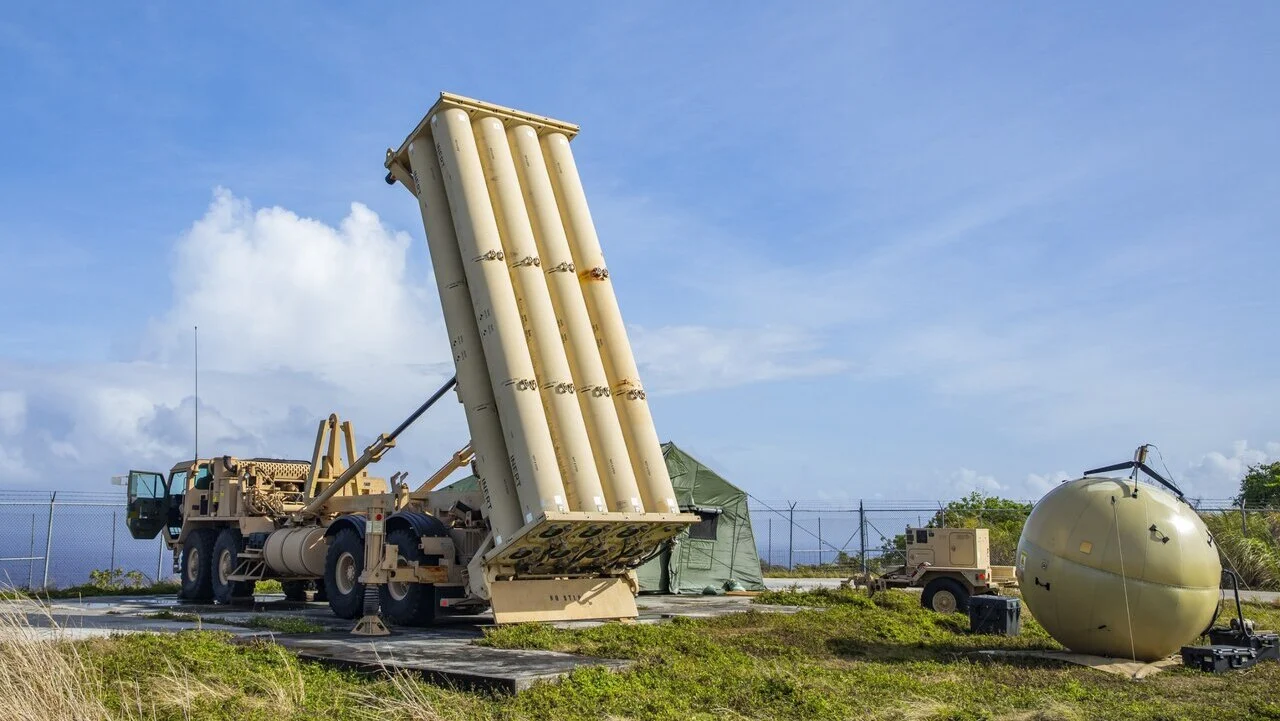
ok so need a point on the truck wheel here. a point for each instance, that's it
(295, 590)
(408, 604)
(228, 546)
(343, 565)
(945, 595)
(197, 565)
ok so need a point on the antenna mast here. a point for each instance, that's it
(195, 346)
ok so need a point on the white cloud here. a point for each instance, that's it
(966, 480)
(1219, 473)
(271, 290)
(1037, 485)
(13, 469)
(13, 412)
(684, 358)
(297, 319)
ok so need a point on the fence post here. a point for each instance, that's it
(791, 536)
(31, 553)
(48, 539)
(819, 540)
(1244, 524)
(769, 552)
(159, 558)
(113, 542)
(862, 536)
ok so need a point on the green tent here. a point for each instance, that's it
(717, 550)
(713, 552)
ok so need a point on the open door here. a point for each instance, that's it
(148, 509)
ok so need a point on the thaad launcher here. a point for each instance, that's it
(575, 489)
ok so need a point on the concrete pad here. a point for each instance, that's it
(445, 657)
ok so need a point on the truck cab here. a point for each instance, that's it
(156, 500)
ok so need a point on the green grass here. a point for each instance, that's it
(268, 586)
(858, 657)
(270, 622)
(280, 624)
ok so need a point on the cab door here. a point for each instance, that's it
(177, 494)
(148, 508)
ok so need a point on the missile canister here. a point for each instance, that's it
(645, 449)
(490, 448)
(1115, 568)
(555, 382)
(515, 386)
(592, 385)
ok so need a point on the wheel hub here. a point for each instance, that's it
(224, 567)
(944, 602)
(345, 573)
(193, 564)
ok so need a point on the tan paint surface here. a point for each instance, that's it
(1093, 552)
(629, 397)
(609, 447)
(555, 382)
(531, 453)
(478, 403)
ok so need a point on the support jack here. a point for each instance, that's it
(370, 626)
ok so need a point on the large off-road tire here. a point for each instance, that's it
(343, 565)
(945, 595)
(408, 604)
(197, 565)
(295, 590)
(225, 552)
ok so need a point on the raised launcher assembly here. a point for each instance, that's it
(574, 489)
(568, 458)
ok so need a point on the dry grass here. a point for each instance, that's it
(42, 677)
(47, 676)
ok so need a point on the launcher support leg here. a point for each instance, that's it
(370, 624)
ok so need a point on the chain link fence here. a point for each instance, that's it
(59, 539)
(826, 539)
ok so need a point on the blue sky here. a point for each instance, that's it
(882, 251)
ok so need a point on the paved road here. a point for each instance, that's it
(775, 584)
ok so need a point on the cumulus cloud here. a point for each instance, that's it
(272, 290)
(298, 318)
(1219, 472)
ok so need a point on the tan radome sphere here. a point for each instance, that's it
(1069, 568)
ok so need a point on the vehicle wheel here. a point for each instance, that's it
(945, 595)
(408, 604)
(320, 596)
(295, 590)
(197, 565)
(343, 565)
(228, 546)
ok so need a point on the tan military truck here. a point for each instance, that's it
(951, 565)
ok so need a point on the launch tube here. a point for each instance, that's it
(608, 445)
(531, 454)
(555, 382)
(629, 398)
(490, 448)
